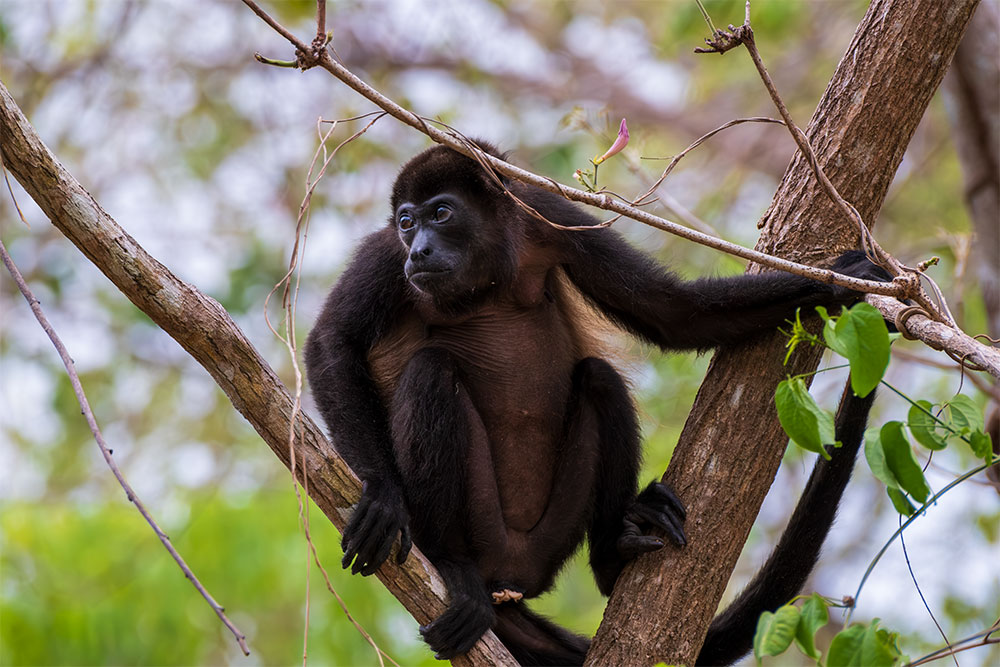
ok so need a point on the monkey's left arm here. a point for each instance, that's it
(358, 311)
(639, 294)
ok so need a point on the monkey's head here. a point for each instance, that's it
(460, 229)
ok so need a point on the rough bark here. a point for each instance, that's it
(732, 443)
(205, 330)
(938, 335)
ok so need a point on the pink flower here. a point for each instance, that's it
(620, 142)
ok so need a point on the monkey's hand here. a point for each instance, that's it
(658, 506)
(369, 535)
(856, 264)
(461, 625)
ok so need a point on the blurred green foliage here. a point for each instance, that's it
(91, 585)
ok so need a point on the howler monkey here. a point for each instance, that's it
(459, 378)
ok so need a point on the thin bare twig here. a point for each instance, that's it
(667, 200)
(698, 142)
(289, 302)
(278, 28)
(88, 414)
(983, 638)
(10, 189)
(321, 37)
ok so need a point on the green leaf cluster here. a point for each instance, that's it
(861, 336)
(859, 645)
(890, 455)
(806, 423)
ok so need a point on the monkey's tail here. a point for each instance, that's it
(730, 636)
(535, 640)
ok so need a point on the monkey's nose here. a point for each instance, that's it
(419, 252)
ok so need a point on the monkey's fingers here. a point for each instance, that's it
(383, 543)
(405, 544)
(658, 493)
(666, 521)
(351, 549)
(632, 542)
(356, 535)
(375, 547)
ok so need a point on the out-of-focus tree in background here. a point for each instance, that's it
(201, 153)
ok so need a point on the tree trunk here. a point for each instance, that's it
(205, 330)
(732, 443)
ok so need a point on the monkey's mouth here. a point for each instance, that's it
(425, 280)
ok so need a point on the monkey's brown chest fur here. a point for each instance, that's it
(515, 359)
(519, 382)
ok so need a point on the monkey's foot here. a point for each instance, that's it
(657, 506)
(461, 625)
(504, 594)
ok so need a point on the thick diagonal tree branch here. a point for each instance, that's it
(732, 443)
(207, 332)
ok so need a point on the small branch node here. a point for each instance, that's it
(909, 282)
(927, 263)
(727, 40)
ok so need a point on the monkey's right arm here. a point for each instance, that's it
(357, 313)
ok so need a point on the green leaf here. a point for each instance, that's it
(922, 426)
(876, 459)
(860, 335)
(899, 459)
(830, 331)
(845, 649)
(900, 502)
(808, 425)
(813, 617)
(982, 445)
(776, 631)
(879, 647)
(966, 416)
(864, 646)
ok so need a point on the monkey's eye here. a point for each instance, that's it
(442, 213)
(405, 222)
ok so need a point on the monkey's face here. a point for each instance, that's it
(448, 253)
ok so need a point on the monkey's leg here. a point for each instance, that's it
(450, 490)
(616, 511)
(563, 524)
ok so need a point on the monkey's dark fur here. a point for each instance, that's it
(456, 369)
